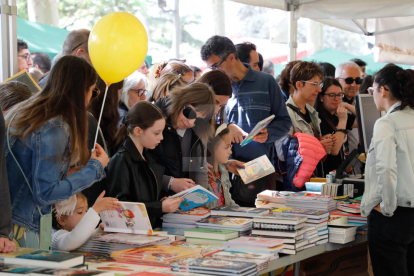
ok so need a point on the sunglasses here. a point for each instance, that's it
(95, 92)
(351, 80)
(189, 113)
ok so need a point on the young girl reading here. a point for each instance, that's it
(73, 223)
(133, 175)
(220, 149)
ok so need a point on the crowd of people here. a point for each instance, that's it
(170, 126)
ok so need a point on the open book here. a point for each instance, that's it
(194, 197)
(256, 169)
(256, 130)
(132, 217)
(25, 78)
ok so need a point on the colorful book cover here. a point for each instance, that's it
(158, 253)
(206, 249)
(256, 241)
(124, 268)
(240, 210)
(229, 221)
(17, 252)
(195, 197)
(223, 265)
(309, 196)
(256, 169)
(96, 257)
(174, 231)
(16, 269)
(129, 218)
(341, 213)
(199, 212)
(66, 272)
(256, 130)
(50, 256)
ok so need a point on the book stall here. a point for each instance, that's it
(285, 229)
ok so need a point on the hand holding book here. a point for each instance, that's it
(107, 203)
(170, 205)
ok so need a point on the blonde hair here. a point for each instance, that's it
(164, 84)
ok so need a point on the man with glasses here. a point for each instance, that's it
(255, 97)
(75, 44)
(24, 60)
(349, 76)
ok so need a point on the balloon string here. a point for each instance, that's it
(100, 117)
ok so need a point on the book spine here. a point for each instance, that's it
(271, 226)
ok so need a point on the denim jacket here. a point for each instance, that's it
(389, 172)
(225, 182)
(43, 156)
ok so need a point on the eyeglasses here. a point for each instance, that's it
(95, 92)
(189, 113)
(228, 148)
(28, 57)
(372, 89)
(217, 67)
(74, 48)
(332, 96)
(140, 92)
(315, 84)
(351, 80)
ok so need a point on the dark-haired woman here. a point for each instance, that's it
(335, 121)
(48, 137)
(189, 112)
(133, 174)
(388, 199)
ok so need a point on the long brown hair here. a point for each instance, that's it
(202, 98)
(110, 114)
(63, 95)
(12, 93)
(143, 115)
(165, 84)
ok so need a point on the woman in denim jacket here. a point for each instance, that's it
(388, 199)
(48, 138)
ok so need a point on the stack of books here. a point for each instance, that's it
(342, 233)
(354, 219)
(175, 223)
(256, 245)
(210, 235)
(243, 225)
(206, 249)
(271, 199)
(109, 242)
(289, 228)
(215, 267)
(311, 201)
(155, 254)
(260, 259)
(235, 211)
(350, 208)
(6, 269)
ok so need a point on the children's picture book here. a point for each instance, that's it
(256, 169)
(256, 130)
(47, 258)
(24, 78)
(239, 211)
(131, 217)
(195, 197)
(208, 233)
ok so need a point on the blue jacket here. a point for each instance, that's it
(43, 155)
(256, 97)
(292, 163)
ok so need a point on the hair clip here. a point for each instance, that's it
(65, 207)
(175, 80)
(220, 129)
(158, 72)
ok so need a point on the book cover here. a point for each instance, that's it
(351, 208)
(69, 272)
(256, 130)
(130, 218)
(229, 221)
(47, 258)
(16, 269)
(159, 253)
(274, 196)
(17, 252)
(281, 218)
(209, 233)
(206, 249)
(197, 212)
(220, 265)
(354, 216)
(25, 78)
(124, 268)
(256, 169)
(305, 212)
(240, 211)
(126, 238)
(255, 241)
(195, 197)
(50, 256)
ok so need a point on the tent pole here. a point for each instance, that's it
(8, 39)
(293, 30)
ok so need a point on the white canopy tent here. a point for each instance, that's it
(391, 22)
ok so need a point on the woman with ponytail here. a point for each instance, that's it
(388, 199)
(132, 174)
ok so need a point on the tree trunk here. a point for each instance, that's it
(43, 11)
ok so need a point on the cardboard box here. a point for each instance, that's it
(351, 260)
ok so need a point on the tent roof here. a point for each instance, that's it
(40, 37)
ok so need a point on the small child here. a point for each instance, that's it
(73, 223)
(220, 149)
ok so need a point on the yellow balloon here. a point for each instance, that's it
(118, 44)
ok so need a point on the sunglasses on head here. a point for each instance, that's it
(95, 92)
(351, 80)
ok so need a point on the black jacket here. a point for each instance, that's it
(131, 178)
(5, 203)
(169, 153)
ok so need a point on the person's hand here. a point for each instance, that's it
(6, 245)
(210, 174)
(327, 142)
(334, 140)
(345, 105)
(237, 133)
(100, 155)
(171, 205)
(232, 166)
(181, 184)
(107, 203)
(262, 137)
(342, 113)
